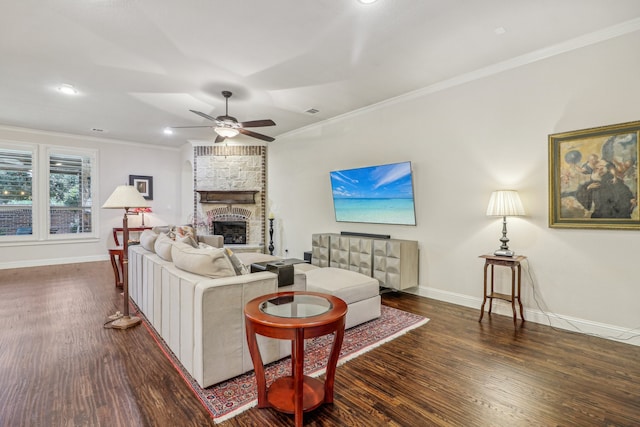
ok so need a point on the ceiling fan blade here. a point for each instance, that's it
(256, 135)
(206, 116)
(257, 123)
(188, 127)
(220, 138)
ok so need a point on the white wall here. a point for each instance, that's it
(116, 161)
(464, 142)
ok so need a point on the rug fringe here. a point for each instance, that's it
(235, 412)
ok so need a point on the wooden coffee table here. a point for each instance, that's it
(295, 316)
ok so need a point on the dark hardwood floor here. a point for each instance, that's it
(60, 367)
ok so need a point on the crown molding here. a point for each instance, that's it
(589, 39)
(83, 138)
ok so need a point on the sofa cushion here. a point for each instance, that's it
(148, 240)
(175, 230)
(163, 246)
(209, 262)
(214, 240)
(303, 267)
(345, 284)
(188, 240)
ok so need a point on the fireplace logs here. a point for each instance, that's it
(234, 232)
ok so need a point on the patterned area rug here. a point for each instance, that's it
(229, 398)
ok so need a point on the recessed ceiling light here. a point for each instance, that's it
(67, 89)
(367, 1)
(168, 131)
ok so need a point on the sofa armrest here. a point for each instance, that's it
(214, 240)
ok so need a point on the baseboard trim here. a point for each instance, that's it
(568, 323)
(54, 261)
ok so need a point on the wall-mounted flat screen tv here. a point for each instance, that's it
(376, 194)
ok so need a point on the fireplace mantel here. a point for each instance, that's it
(227, 197)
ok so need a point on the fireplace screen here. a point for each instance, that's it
(233, 231)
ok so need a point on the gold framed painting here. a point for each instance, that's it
(593, 178)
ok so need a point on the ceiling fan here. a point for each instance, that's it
(227, 126)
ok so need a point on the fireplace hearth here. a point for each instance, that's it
(234, 232)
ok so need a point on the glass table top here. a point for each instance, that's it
(296, 306)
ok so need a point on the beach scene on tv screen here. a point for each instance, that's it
(377, 194)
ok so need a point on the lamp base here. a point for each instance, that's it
(126, 322)
(504, 252)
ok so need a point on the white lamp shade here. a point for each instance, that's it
(125, 197)
(505, 203)
(227, 132)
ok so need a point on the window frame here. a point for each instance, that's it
(40, 201)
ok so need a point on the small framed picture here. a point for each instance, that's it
(593, 178)
(144, 184)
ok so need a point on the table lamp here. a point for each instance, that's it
(125, 197)
(505, 203)
(142, 211)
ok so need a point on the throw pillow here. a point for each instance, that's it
(188, 240)
(238, 266)
(184, 231)
(148, 240)
(163, 247)
(209, 262)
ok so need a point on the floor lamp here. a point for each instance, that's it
(125, 197)
(505, 203)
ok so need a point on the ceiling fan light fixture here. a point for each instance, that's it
(227, 132)
(67, 89)
(228, 126)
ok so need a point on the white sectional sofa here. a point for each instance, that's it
(201, 319)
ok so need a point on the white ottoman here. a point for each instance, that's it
(360, 292)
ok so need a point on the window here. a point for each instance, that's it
(49, 199)
(16, 195)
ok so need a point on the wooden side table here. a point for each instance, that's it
(514, 264)
(116, 255)
(117, 231)
(295, 316)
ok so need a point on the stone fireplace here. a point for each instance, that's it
(230, 187)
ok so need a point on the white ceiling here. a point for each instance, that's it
(141, 65)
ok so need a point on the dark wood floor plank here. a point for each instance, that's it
(60, 367)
